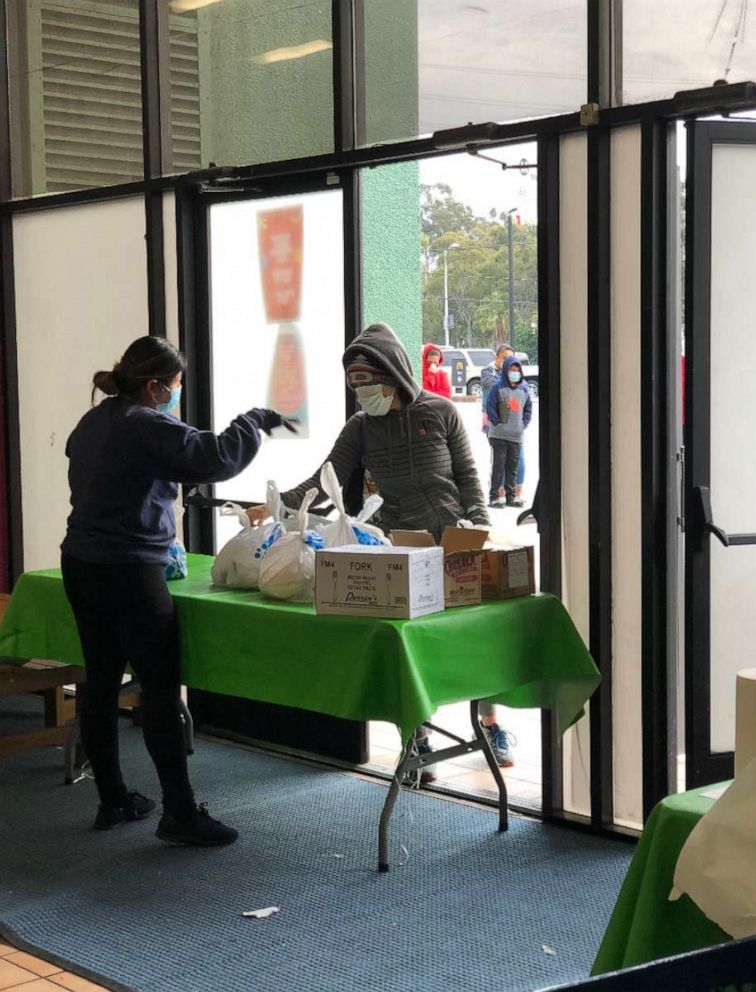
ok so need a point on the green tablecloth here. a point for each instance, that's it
(522, 652)
(645, 925)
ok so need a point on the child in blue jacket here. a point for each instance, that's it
(509, 410)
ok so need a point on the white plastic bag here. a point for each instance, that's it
(341, 531)
(237, 564)
(288, 569)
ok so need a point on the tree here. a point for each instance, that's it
(478, 268)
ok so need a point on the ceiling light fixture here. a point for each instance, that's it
(295, 52)
(182, 6)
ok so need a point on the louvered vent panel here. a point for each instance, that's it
(91, 95)
(185, 105)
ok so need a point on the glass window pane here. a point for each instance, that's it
(414, 215)
(481, 357)
(273, 350)
(673, 45)
(75, 91)
(426, 65)
(250, 81)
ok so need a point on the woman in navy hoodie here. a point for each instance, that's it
(126, 456)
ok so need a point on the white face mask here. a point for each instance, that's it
(373, 401)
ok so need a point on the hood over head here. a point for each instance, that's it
(510, 363)
(380, 345)
(426, 351)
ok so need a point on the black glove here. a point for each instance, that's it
(268, 420)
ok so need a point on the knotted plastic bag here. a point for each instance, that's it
(287, 571)
(344, 529)
(237, 564)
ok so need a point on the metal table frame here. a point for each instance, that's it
(411, 762)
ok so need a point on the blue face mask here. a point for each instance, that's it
(515, 377)
(172, 403)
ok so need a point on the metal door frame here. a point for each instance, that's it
(702, 766)
(341, 739)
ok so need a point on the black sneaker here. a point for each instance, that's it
(134, 807)
(496, 504)
(198, 830)
(515, 502)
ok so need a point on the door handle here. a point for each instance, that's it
(195, 497)
(703, 506)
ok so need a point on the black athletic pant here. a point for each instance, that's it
(506, 458)
(125, 614)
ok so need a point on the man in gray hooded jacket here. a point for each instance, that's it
(412, 442)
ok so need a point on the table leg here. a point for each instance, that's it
(485, 747)
(388, 809)
(73, 744)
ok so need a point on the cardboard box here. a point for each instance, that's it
(379, 581)
(507, 572)
(463, 552)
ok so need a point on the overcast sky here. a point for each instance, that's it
(483, 185)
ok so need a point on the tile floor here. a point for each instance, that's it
(470, 773)
(21, 972)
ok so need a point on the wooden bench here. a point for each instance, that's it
(61, 724)
(46, 679)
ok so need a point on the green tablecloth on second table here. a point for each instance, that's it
(522, 652)
(645, 925)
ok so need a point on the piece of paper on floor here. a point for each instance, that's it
(716, 793)
(547, 950)
(261, 914)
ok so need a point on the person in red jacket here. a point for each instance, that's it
(435, 380)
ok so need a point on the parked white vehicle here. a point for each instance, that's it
(476, 360)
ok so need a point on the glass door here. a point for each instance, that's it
(720, 410)
(277, 317)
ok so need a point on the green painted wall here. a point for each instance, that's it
(391, 252)
(255, 112)
(390, 70)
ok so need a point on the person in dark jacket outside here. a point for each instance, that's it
(509, 409)
(412, 442)
(435, 379)
(488, 377)
(126, 456)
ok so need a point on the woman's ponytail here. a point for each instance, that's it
(105, 382)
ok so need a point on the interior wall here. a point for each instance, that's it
(628, 409)
(574, 417)
(81, 298)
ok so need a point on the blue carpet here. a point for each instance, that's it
(469, 910)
